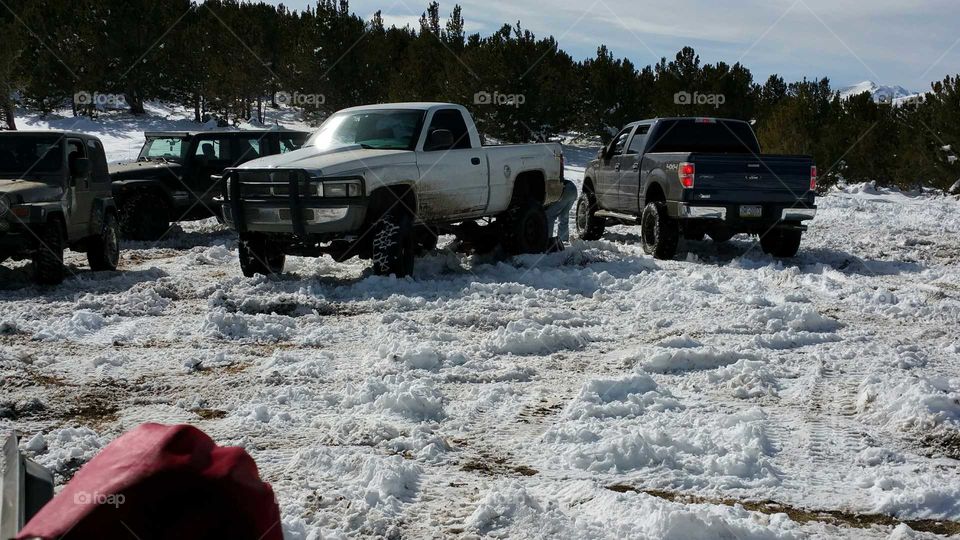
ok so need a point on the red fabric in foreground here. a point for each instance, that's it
(162, 481)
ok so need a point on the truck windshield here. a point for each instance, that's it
(379, 129)
(714, 137)
(164, 149)
(24, 154)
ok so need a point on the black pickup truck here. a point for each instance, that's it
(692, 177)
(176, 176)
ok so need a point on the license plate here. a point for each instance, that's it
(751, 211)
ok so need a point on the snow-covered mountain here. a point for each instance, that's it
(880, 93)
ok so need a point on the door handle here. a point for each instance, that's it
(617, 167)
(636, 167)
(475, 161)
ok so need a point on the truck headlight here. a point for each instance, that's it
(340, 189)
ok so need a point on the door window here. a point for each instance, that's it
(213, 150)
(100, 172)
(249, 148)
(291, 141)
(75, 151)
(451, 119)
(619, 142)
(639, 140)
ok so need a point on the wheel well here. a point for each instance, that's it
(386, 198)
(655, 194)
(530, 185)
(588, 185)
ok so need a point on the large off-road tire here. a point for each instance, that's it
(782, 243)
(103, 252)
(48, 258)
(259, 255)
(394, 244)
(144, 216)
(659, 233)
(589, 226)
(720, 236)
(525, 228)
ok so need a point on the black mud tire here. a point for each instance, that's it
(720, 236)
(144, 217)
(48, 258)
(394, 244)
(260, 256)
(589, 226)
(525, 229)
(659, 234)
(781, 243)
(103, 252)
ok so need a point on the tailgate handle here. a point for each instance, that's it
(475, 161)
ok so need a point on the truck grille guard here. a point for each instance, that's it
(296, 178)
(296, 182)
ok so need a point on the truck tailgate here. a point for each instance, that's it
(742, 178)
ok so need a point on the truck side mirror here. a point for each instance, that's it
(81, 167)
(440, 139)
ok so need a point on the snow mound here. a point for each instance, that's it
(688, 360)
(798, 318)
(745, 379)
(365, 494)
(225, 325)
(136, 302)
(512, 506)
(64, 450)
(625, 397)
(910, 402)
(81, 324)
(415, 399)
(525, 337)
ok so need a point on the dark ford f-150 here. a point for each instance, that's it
(692, 177)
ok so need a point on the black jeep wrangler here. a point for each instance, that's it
(55, 193)
(176, 176)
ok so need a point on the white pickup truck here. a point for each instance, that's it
(382, 182)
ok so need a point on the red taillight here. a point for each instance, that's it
(686, 172)
(813, 178)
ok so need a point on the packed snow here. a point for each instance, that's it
(592, 393)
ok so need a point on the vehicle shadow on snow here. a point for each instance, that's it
(581, 269)
(838, 260)
(180, 239)
(742, 247)
(17, 283)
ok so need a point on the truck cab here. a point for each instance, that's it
(176, 176)
(55, 193)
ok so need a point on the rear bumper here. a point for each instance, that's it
(682, 210)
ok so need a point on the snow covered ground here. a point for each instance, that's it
(593, 393)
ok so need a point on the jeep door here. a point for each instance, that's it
(210, 155)
(608, 171)
(454, 181)
(79, 195)
(628, 168)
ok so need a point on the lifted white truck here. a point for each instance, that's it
(382, 182)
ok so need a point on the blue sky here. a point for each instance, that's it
(892, 42)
